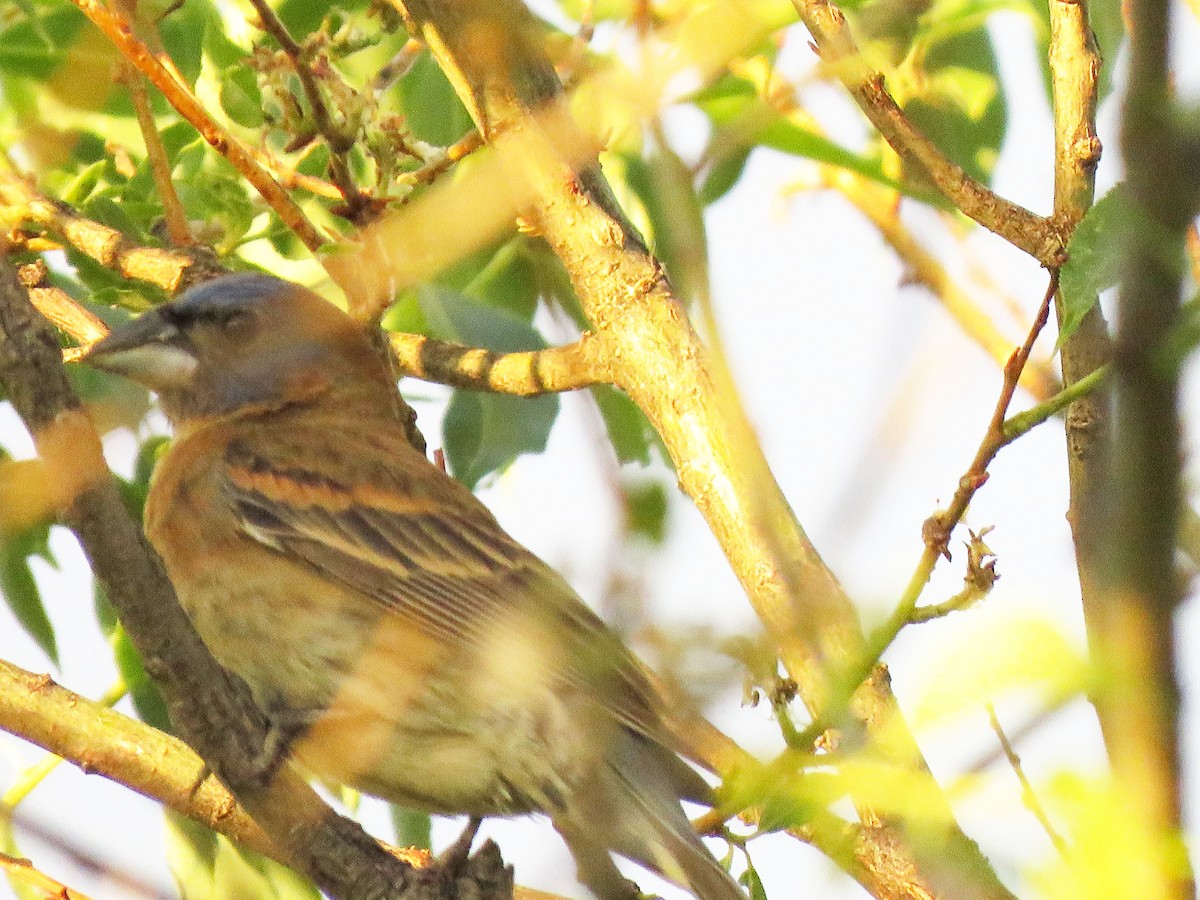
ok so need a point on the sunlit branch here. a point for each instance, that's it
(172, 270)
(157, 68)
(525, 374)
(1036, 235)
(160, 167)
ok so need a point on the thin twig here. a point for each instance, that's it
(1021, 422)
(162, 74)
(1028, 795)
(160, 167)
(937, 530)
(339, 142)
(21, 869)
(1036, 235)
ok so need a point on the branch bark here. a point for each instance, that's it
(212, 709)
(1036, 235)
(490, 52)
(1139, 693)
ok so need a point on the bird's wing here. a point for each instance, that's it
(402, 533)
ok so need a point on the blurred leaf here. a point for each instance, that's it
(1111, 857)
(303, 17)
(994, 652)
(646, 505)
(792, 802)
(432, 110)
(35, 48)
(723, 174)
(147, 701)
(240, 96)
(742, 120)
(508, 279)
(19, 588)
(664, 186)
(484, 433)
(182, 32)
(207, 866)
(1093, 258)
(961, 104)
(1108, 25)
(630, 431)
(413, 827)
(106, 614)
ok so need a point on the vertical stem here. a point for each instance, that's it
(1139, 692)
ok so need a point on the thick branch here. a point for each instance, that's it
(658, 360)
(98, 739)
(1139, 694)
(211, 708)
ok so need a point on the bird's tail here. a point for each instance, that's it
(674, 850)
(635, 813)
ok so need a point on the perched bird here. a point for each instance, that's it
(375, 607)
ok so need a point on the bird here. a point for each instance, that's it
(388, 627)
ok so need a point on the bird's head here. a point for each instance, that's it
(242, 343)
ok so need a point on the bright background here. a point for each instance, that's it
(869, 403)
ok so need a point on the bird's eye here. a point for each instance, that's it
(240, 326)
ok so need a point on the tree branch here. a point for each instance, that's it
(1036, 235)
(526, 374)
(211, 708)
(162, 74)
(659, 361)
(98, 739)
(171, 270)
(1138, 696)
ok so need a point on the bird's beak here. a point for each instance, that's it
(149, 350)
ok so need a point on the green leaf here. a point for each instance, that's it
(147, 701)
(19, 588)
(629, 430)
(742, 121)
(646, 509)
(485, 433)
(413, 827)
(1108, 25)
(432, 111)
(35, 48)
(508, 279)
(664, 185)
(182, 32)
(207, 866)
(793, 802)
(961, 105)
(241, 98)
(723, 174)
(753, 884)
(1093, 258)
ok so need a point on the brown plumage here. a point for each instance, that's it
(375, 606)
